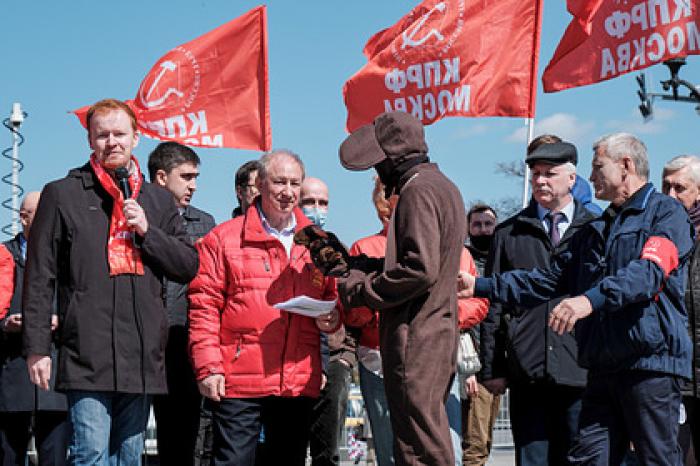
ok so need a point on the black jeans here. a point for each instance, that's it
(237, 423)
(544, 418)
(329, 415)
(689, 434)
(637, 406)
(51, 433)
(177, 413)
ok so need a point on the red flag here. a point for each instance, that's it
(451, 58)
(609, 38)
(212, 91)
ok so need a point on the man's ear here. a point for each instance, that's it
(628, 165)
(161, 178)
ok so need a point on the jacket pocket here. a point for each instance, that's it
(231, 353)
(646, 335)
(629, 335)
(68, 323)
(626, 247)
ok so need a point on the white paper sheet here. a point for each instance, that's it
(306, 306)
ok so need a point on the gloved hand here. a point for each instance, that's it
(327, 252)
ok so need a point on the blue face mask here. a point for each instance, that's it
(316, 215)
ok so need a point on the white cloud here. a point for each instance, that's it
(636, 125)
(470, 131)
(565, 125)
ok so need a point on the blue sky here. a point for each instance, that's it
(61, 55)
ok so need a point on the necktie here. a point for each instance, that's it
(554, 219)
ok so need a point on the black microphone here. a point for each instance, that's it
(122, 175)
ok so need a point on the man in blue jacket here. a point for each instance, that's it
(626, 274)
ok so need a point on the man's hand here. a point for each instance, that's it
(135, 216)
(567, 312)
(471, 386)
(496, 386)
(39, 370)
(465, 285)
(13, 323)
(213, 387)
(328, 322)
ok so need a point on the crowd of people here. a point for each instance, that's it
(128, 297)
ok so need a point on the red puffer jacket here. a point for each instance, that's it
(235, 331)
(7, 280)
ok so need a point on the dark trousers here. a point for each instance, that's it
(636, 406)
(689, 431)
(205, 435)
(544, 419)
(177, 413)
(328, 415)
(51, 435)
(237, 423)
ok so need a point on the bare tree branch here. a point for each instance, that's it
(515, 168)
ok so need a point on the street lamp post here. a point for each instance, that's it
(675, 84)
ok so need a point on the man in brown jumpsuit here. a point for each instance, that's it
(414, 289)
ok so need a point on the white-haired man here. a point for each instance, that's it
(539, 366)
(626, 272)
(681, 181)
(259, 365)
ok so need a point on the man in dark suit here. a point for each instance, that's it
(19, 398)
(518, 350)
(176, 167)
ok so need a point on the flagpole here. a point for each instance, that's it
(526, 178)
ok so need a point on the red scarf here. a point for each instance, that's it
(123, 256)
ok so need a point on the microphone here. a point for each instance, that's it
(122, 175)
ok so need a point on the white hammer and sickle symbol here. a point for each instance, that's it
(165, 67)
(409, 34)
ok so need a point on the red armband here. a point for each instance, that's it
(662, 252)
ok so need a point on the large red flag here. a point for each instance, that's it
(212, 91)
(451, 58)
(609, 38)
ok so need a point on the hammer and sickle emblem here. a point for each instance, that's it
(410, 33)
(165, 67)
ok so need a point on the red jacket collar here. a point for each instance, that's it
(253, 229)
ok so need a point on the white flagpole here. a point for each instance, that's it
(526, 179)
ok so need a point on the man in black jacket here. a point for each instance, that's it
(105, 258)
(681, 181)
(479, 412)
(176, 167)
(246, 188)
(539, 367)
(19, 398)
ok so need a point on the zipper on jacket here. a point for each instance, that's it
(238, 349)
(266, 264)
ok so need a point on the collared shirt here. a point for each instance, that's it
(563, 224)
(285, 235)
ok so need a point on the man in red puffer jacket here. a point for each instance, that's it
(259, 365)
